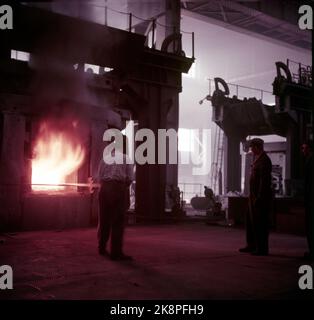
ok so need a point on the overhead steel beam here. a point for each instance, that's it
(291, 34)
(223, 12)
(189, 13)
(263, 17)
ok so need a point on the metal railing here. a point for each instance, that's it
(190, 190)
(241, 91)
(129, 21)
(301, 73)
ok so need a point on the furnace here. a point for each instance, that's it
(59, 92)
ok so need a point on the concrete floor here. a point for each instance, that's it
(178, 261)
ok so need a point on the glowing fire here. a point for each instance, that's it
(56, 156)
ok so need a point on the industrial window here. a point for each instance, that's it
(19, 55)
(186, 140)
(92, 68)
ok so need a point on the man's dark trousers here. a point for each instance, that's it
(112, 207)
(257, 226)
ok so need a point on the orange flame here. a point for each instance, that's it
(57, 155)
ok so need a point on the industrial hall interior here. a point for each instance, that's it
(156, 149)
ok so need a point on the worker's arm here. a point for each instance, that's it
(95, 180)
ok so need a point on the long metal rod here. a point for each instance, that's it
(193, 45)
(66, 184)
(94, 185)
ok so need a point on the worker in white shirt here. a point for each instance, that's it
(115, 178)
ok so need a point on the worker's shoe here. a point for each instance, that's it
(120, 257)
(259, 253)
(247, 249)
(103, 252)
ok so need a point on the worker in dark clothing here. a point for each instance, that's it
(308, 198)
(260, 200)
(114, 200)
